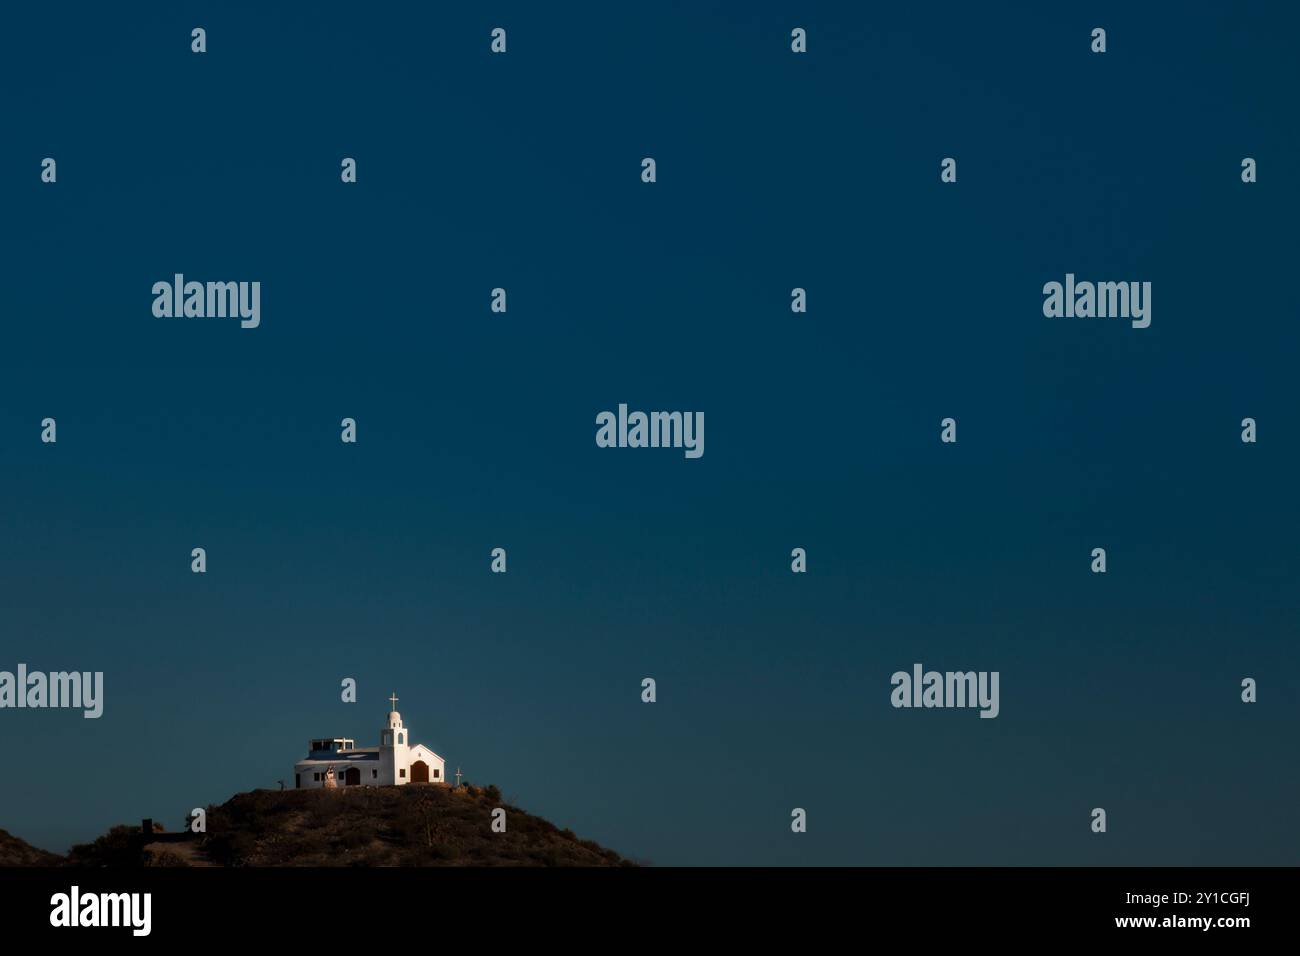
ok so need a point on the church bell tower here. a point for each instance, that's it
(394, 749)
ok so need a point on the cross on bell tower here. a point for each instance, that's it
(393, 701)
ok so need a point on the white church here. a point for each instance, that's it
(337, 762)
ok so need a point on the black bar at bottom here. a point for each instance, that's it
(462, 906)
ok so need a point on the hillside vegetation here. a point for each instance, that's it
(16, 852)
(412, 825)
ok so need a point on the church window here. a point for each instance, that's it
(403, 773)
(374, 773)
(435, 773)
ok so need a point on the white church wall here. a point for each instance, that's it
(421, 752)
(307, 779)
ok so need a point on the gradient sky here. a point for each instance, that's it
(477, 430)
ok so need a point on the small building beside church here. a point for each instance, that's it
(394, 762)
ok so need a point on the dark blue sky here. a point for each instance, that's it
(477, 430)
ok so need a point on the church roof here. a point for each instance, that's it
(344, 756)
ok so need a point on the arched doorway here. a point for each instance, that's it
(419, 772)
(352, 777)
